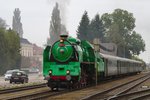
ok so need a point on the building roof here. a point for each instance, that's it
(25, 41)
(37, 50)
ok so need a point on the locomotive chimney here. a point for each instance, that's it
(63, 37)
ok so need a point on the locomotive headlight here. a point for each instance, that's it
(61, 40)
(68, 71)
(50, 72)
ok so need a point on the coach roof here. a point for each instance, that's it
(118, 58)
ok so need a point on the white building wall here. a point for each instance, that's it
(26, 50)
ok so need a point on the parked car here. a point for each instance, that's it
(19, 76)
(8, 75)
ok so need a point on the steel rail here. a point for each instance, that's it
(129, 88)
(10, 90)
(137, 95)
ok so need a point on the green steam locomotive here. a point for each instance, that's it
(72, 63)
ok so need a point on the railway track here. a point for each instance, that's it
(42, 93)
(82, 93)
(138, 95)
(10, 90)
(11, 93)
(112, 93)
(37, 96)
(35, 92)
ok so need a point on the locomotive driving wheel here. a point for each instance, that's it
(82, 82)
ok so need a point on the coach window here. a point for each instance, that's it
(127, 64)
(132, 65)
(120, 64)
(124, 64)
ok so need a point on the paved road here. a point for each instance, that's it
(33, 78)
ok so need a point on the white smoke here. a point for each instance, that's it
(63, 4)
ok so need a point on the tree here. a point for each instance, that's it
(3, 52)
(136, 43)
(56, 28)
(17, 25)
(119, 26)
(96, 28)
(10, 49)
(113, 34)
(2, 23)
(13, 41)
(83, 28)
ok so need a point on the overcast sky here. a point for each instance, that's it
(36, 15)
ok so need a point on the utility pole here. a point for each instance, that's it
(96, 49)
